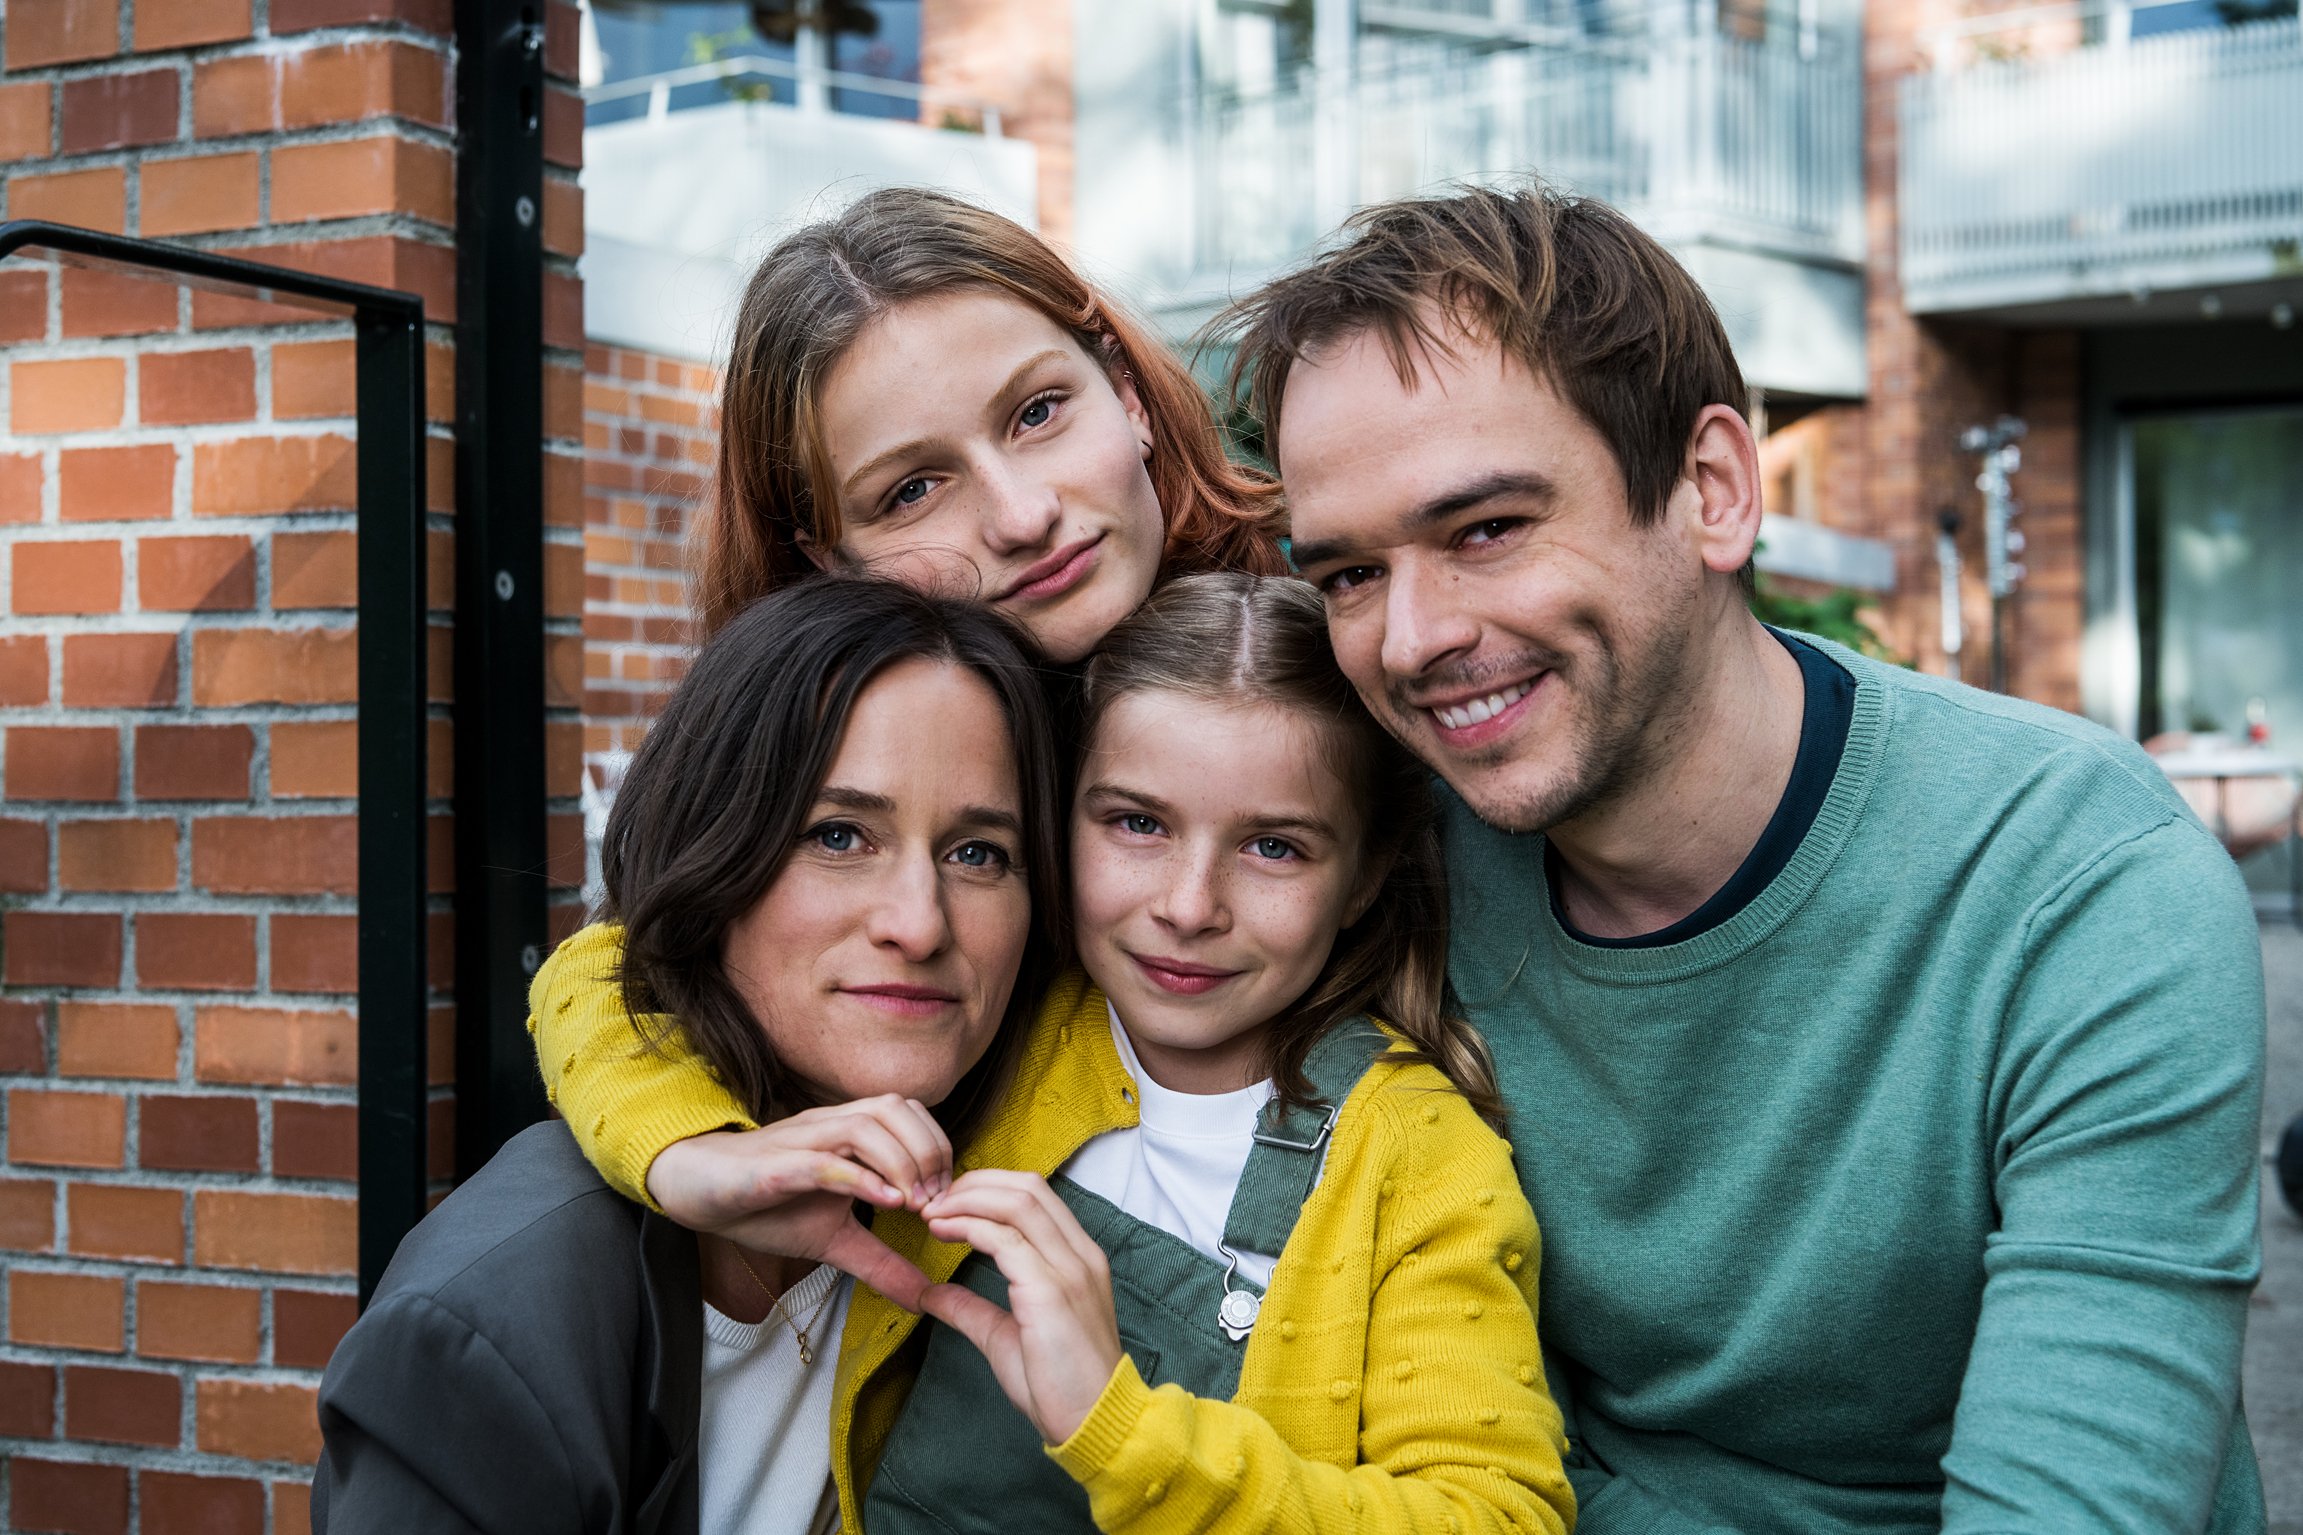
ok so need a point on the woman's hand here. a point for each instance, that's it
(1057, 1350)
(788, 1188)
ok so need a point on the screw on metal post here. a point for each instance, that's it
(525, 211)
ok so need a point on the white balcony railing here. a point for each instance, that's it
(2167, 162)
(1692, 135)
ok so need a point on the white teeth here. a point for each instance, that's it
(1481, 710)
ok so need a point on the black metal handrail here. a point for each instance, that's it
(389, 326)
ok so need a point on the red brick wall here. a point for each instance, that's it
(650, 438)
(1018, 58)
(178, 790)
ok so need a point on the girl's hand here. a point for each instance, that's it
(1057, 1350)
(788, 1188)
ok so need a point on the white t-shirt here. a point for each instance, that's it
(1179, 1167)
(766, 1429)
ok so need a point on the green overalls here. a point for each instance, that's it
(962, 1460)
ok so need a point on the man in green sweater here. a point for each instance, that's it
(1883, 1055)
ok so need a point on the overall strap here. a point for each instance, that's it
(1281, 1169)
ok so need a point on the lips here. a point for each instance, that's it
(902, 1000)
(1478, 711)
(1181, 977)
(1056, 573)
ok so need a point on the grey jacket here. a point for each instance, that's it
(531, 1361)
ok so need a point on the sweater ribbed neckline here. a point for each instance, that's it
(1834, 824)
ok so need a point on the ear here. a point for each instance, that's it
(1131, 400)
(815, 553)
(1722, 470)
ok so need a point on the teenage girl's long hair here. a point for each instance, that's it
(1236, 638)
(814, 294)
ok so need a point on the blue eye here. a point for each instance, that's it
(910, 492)
(1141, 825)
(980, 855)
(837, 837)
(1274, 848)
(1037, 413)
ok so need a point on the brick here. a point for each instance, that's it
(190, 575)
(316, 570)
(66, 1311)
(564, 851)
(23, 1037)
(69, 1497)
(116, 484)
(257, 475)
(278, 1233)
(563, 402)
(307, 1325)
(119, 111)
(181, 388)
(116, 304)
(193, 761)
(222, 1323)
(312, 380)
(563, 309)
(24, 669)
(563, 671)
(170, 1503)
(286, 666)
(195, 951)
(439, 569)
(193, 196)
(356, 81)
(353, 177)
(24, 857)
(25, 121)
(284, 855)
(93, 199)
(386, 261)
(440, 855)
(63, 1129)
(304, 15)
(316, 760)
(125, 671)
(291, 1508)
(23, 307)
(235, 96)
(564, 580)
(189, 23)
(62, 948)
(19, 472)
(563, 131)
(27, 1400)
(63, 32)
(116, 1039)
(116, 855)
(108, 1220)
(113, 1406)
(80, 576)
(277, 1046)
(73, 394)
(315, 1140)
(197, 1135)
(258, 1422)
(315, 953)
(563, 759)
(562, 52)
(440, 384)
(27, 1215)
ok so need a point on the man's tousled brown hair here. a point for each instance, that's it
(1583, 297)
(815, 293)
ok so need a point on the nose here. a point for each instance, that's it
(909, 915)
(1421, 627)
(1020, 511)
(1192, 901)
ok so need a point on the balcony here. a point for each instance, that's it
(1743, 157)
(2100, 182)
(680, 202)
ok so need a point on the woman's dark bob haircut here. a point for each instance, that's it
(721, 790)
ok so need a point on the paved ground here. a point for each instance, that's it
(2275, 1323)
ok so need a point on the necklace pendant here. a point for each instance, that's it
(1238, 1312)
(807, 1355)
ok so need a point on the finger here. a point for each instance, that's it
(1024, 1202)
(994, 1334)
(867, 1132)
(856, 1251)
(939, 1159)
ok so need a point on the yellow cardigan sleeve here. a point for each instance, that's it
(624, 1101)
(1457, 1430)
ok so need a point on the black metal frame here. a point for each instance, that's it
(501, 935)
(389, 326)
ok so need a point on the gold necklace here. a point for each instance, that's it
(807, 1355)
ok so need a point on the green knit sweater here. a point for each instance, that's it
(1921, 1193)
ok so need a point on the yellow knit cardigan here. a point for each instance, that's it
(1393, 1381)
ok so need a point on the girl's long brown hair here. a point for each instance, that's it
(818, 290)
(1235, 638)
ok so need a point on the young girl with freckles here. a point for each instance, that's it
(1240, 1249)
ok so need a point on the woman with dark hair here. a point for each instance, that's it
(853, 933)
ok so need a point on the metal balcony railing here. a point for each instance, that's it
(2166, 162)
(1692, 135)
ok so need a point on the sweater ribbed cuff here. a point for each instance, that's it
(1098, 1440)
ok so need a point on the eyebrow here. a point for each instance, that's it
(1492, 487)
(918, 445)
(989, 816)
(1310, 824)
